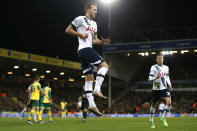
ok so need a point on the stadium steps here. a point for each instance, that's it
(18, 102)
(135, 72)
(56, 105)
(21, 104)
(123, 94)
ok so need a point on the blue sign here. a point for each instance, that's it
(150, 46)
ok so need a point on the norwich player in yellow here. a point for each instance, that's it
(45, 102)
(35, 97)
(63, 108)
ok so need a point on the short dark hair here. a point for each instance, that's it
(37, 77)
(89, 6)
(46, 83)
(159, 55)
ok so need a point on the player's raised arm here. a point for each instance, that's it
(102, 41)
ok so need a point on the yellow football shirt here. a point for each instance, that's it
(35, 91)
(47, 91)
(63, 105)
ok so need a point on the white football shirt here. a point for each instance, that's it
(85, 25)
(29, 88)
(163, 81)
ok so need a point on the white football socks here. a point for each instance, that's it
(88, 85)
(100, 78)
(166, 111)
(152, 111)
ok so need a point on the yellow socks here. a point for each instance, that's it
(40, 116)
(50, 116)
(31, 114)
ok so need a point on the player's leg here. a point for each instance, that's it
(85, 114)
(152, 111)
(88, 71)
(88, 88)
(41, 112)
(22, 112)
(95, 111)
(89, 78)
(35, 117)
(62, 113)
(88, 58)
(33, 110)
(36, 106)
(92, 105)
(155, 98)
(49, 112)
(103, 68)
(50, 115)
(65, 112)
(167, 107)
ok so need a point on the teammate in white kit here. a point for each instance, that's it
(86, 31)
(159, 75)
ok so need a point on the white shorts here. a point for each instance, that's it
(91, 100)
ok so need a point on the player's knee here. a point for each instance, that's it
(104, 64)
(89, 77)
(168, 102)
(85, 110)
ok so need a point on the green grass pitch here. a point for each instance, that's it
(99, 124)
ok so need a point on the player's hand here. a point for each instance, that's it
(106, 41)
(170, 88)
(83, 36)
(158, 76)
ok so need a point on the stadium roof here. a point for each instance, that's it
(20, 63)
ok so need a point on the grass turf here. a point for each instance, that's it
(99, 124)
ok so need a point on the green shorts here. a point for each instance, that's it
(35, 103)
(45, 105)
(63, 110)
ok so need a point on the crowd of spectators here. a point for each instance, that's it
(133, 102)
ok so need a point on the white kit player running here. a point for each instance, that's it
(159, 75)
(85, 28)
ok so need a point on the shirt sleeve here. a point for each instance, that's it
(50, 96)
(39, 87)
(168, 78)
(77, 22)
(95, 32)
(151, 74)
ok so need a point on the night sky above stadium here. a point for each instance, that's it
(37, 26)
